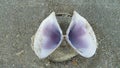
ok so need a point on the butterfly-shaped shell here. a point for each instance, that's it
(48, 37)
(81, 36)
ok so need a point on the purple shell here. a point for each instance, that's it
(48, 37)
(81, 36)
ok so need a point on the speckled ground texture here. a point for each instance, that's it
(19, 20)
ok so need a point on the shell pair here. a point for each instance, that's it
(79, 35)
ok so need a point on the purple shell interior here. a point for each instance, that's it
(75, 35)
(53, 36)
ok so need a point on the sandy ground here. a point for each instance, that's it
(19, 20)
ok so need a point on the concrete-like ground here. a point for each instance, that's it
(19, 20)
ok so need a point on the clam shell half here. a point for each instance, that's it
(81, 36)
(48, 37)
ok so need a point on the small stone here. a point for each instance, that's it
(74, 62)
(13, 65)
(17, 35)
(20, 53)
(6, 36)
(47, 64)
